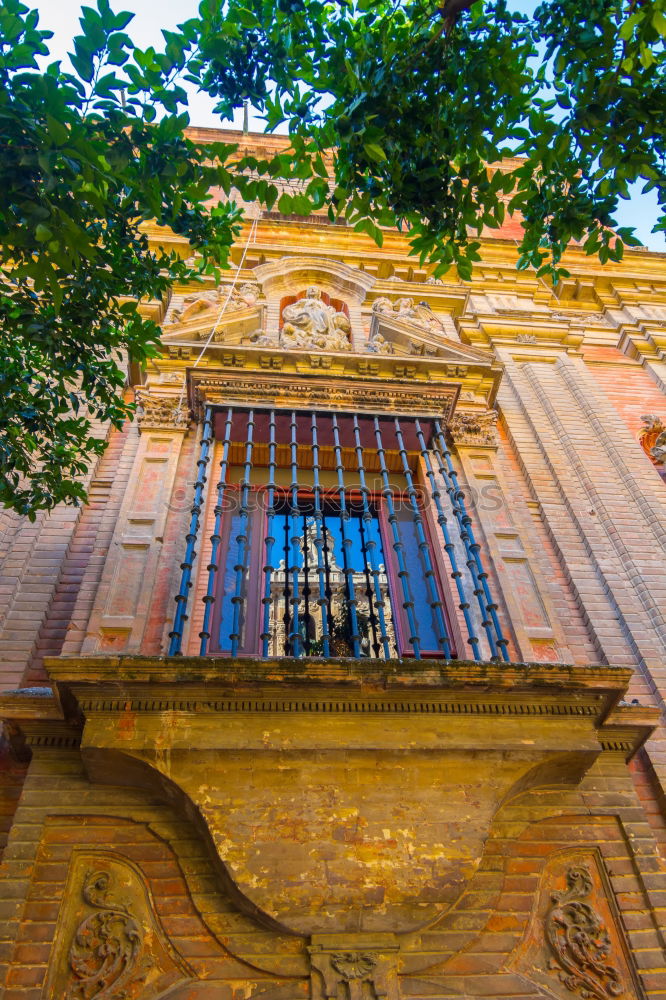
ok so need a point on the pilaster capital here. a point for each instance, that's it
(161, 411)
(474, 429)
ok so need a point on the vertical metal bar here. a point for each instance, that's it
(216, 537)
(242, 536)
(431, 585)
(327, 567)
(475, 547)
(346, 541)
(269, 541)
(286, 617)
(176, 635)
(322, 551)
(306, 587)
(295, 634)
(456, 574)
(368, 587)
(403, 572)
(370, 544)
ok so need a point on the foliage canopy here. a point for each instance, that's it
(412, 98)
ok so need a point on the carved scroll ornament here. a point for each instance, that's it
(653, 438)
(579, 941)
(107, 955)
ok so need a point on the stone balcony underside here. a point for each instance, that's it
(339, 795)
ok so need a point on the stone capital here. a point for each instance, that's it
(474, 429)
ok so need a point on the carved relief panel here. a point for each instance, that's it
(574, 945)
(109, 945)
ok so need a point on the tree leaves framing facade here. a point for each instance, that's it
(393, 113)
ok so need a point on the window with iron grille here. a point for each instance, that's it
(328, 535)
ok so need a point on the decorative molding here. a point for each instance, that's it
(168, 412)
(526, 338)
(579, 940)
(104, 703)
(277, 276)
(477, 430)
(318, 392)
(107, 955)
(574, 945)
(653, 438)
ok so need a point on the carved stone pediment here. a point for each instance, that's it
(231, 315)
(211, 301)
(393, 334)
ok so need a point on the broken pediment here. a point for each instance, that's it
(229, 313)
(416, 331)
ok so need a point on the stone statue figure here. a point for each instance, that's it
(310, 324)
(419, 314)
(314, 322)
(379, 345)
(244, 297)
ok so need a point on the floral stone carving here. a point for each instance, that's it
(107, 953)
(573, 946)
(310, 324)
(367, 972)
(160, 411)
(653, 438)
(109, 944)
(579, 941)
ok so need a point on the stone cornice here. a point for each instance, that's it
(568, 696)
(319, 392)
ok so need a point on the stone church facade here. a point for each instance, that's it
(347, 682)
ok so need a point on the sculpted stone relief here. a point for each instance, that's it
(109, 945)
(574, 946)
(160, 411)
(418, 314)
(479, 429)
(310, 324)
(107, 956)
(579, 940)
(653, 438)
(244, 297)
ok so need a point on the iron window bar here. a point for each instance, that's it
(311, 546)
(176, 635)
(472, 547)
